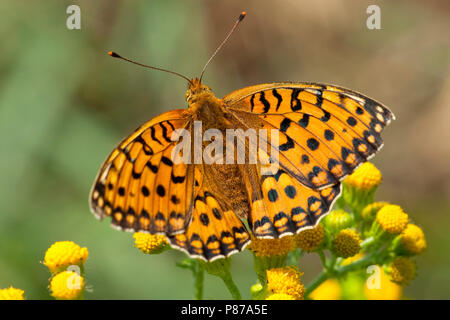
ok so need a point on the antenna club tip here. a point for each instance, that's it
(113, 54)
(242, 15)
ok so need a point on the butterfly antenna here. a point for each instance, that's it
(241, 17)
(115, 55)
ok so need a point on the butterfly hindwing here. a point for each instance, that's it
(215, 231)
(287, 207)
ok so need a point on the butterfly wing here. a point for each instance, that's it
(281, 205)
(325, 131)
(140, 187)
(215, 231)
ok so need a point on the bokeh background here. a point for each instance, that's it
(64, 104)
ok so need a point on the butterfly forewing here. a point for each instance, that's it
(325, 131)
(139, 186)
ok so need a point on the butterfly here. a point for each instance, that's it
(211, 211)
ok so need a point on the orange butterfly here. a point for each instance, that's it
(210, 210)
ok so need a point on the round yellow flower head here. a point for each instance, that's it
(413, 239)
(392, 219)
(11, 294)
(308, 240)
(287, 281)
(149, 243)
(370, 211)
(366, 177)
(272, 247)
(346, 244)
(280, 296)
(62, 254)
(382, 289)
(328, 290)
(67, 285)
(402, 270)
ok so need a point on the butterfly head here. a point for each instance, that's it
(197, 91)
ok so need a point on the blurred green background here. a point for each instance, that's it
(64, 104)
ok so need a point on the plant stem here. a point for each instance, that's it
(316, 282)
(199, 276)
(231, 286)
(367, 260)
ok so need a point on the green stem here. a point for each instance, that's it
(365, 261)
(199, 276)
(331, 271)
(322, 277)
(331, 263)
(231, 286)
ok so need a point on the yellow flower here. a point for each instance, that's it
(370, 211)
(62, 254)
(280, 296)
(346, 244)
(11, 294)
(359, 188)
(272, 247)
(149, 243)
(366, 177)
(287, 281)
(308, 240)
(328, 290)
(413, 239)
(392, 219)
(385, 289)
(402, 270)
(67, 285)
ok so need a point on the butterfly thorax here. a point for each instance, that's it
(204, 106)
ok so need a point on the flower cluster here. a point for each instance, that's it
(65, 260)
(149, 243)
(363, 235)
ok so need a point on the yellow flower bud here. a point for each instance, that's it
(272, 247)
(308, 240)
(337, 220)
(392, 219)
(62, 254)
(67, 285)
(413, 239)
(402, 270)
(286, 281)
(280, 296)
(366, 177)
(347, 243)
(328, 290)
(359, 187)
(149, 243)
(11, 294)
